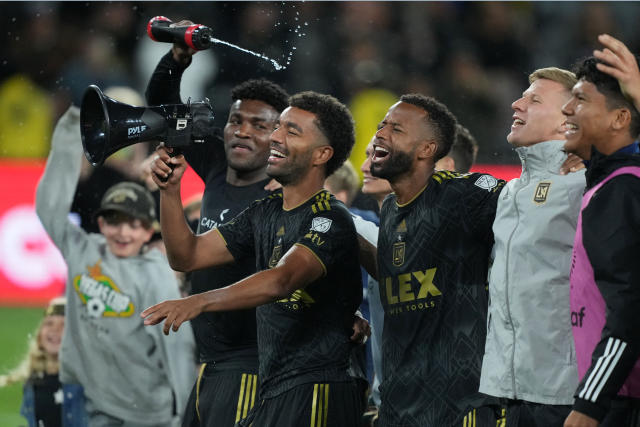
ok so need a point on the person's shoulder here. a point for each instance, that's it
(474, 181)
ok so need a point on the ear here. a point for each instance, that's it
(148, 235)
(622, 119)
(322, 154)
(446, 163)
(427, 149)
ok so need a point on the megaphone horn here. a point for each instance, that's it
(107, 125)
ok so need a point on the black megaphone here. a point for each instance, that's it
(107, 125)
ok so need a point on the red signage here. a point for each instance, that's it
(32, 270)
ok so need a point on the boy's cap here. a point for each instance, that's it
(56, 307)
(131, 199)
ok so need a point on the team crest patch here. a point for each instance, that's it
(275, 256)
(486, 182)
(398, 253)
(320, 224)
(541, 193)
(101, 297)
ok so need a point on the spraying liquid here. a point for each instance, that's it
(275, 64)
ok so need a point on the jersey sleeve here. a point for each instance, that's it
(329, 235)
(164, 88)
(611, 236)
(238, 234)
(479, 204)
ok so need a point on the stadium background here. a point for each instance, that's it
(474, 56)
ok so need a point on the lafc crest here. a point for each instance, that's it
(541, 193)
(399, 245)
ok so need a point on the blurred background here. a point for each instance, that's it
(473, 56)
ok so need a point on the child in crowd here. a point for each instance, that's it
(131, 375)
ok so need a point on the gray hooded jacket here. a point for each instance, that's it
(128, 371)
(529, 352)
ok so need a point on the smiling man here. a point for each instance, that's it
(308, 286)
(605, 274)
(530, 366)
(233, 169)
(432, 261)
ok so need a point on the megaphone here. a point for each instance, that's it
(107, 125)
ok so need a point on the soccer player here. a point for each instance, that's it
(529, 365)
(432, 261)
(308, 286)
(233, 167)
(602, 127)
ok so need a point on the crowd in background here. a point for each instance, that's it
(471, 55)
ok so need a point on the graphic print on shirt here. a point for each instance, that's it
(101, 297)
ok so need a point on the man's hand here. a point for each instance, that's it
(573, 163)
(620, 64)
(176, 312)
(182, 54)
(578, 419)
(361, 329)
(167, 171)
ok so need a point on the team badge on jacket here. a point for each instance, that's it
(541, 193)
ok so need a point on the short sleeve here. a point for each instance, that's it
(238, 233)
(330, 235)
(479, 204)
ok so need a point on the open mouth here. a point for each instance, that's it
(379, 153)
(275, 155)
(570, 129)
(517, 121)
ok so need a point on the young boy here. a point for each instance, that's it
(131, 375)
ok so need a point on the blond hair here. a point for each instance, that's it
(345, 178)
(36, 362)
(564, 77)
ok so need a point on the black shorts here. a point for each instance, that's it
(314, 405)
(502, 412)
(221, 397)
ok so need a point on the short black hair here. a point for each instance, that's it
(441, 120)
(464, 149)
(262, 90)
(608, 86)
(333, 119)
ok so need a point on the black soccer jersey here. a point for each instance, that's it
(225, 337)
(303, 338)
(433, 255)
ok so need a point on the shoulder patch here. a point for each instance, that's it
(320, 224)
(486, 182)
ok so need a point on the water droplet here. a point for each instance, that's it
(13, 19)
(17, 38)
(306, 24)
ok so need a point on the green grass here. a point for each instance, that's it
(17, 325)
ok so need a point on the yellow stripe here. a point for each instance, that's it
(327, 205)
(474, 418)
(313, 405)
(198, 389)
(239, 410)
(326, 404)
(313, 209)
(253, 392)
(246, 396)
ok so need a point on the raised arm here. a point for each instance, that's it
(185, 251)
(620, 64)
(295, 270)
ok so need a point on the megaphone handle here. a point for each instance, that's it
(174, 152)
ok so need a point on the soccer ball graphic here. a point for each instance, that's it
(95, 307)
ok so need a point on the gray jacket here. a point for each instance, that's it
(529, 353)
(128, 370)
